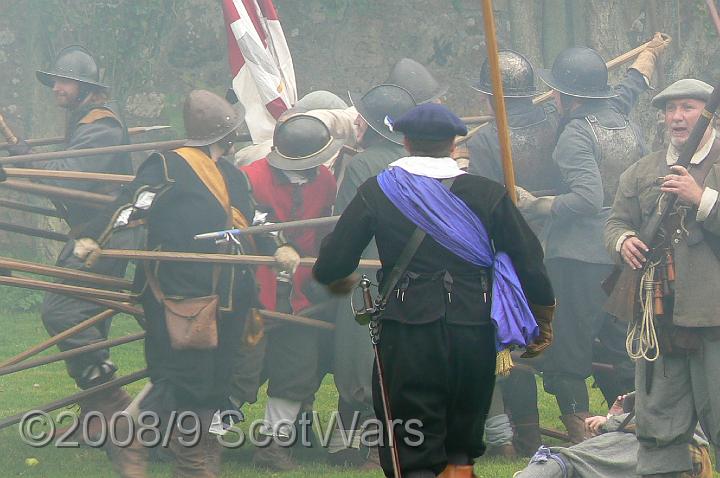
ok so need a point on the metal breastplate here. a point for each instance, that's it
(532, 148)
(619, 149)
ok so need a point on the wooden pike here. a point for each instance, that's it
(33, 232)
(64, 273)
(8, 133)
(93, 200)
(71, 353)
(64, 402)
(214, 258)
(19, 206)
(54, 340)
(66, 289)
(68, 175)
(61, 139)
(83, 153)
(319, 324)
(498, 98)
(615, 62)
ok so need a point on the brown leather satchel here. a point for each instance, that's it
(191, 323)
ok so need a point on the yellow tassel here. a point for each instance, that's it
(503, 363)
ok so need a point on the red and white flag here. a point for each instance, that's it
(260, 61)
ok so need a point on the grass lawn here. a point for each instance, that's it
(20, 392)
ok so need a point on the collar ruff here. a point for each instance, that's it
(438, 168)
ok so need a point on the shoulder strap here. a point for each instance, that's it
(406, 256)
(96, 114)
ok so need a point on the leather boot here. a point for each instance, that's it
(199, 461)
(575, 426)
(274, 457)
(130, 461)
(527, 436)
(457, 471)
(105, 403)
(506, 450)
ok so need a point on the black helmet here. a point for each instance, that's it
(415, 78)
(208, 118)
(381, 102)
(579, 72)
(518, 76)
(74, 63)
(302, 142)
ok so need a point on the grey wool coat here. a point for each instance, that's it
(697, 268)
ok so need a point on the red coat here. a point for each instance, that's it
(273, 191)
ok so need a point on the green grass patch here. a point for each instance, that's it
(25, 390)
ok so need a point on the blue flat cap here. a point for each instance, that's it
(430, 121)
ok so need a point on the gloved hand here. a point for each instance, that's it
(533, 207)
(86, 249)
(288, 258)
(645, 62)
(345, 285)
(19, 149)
(543, 316)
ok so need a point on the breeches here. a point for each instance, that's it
(442, 376)
(685, 389)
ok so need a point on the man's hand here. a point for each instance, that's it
(86, 249)
(594, 425)
(633, 252)
(344, 286)
(533, 207)
(684, 185)
(288, 258)
(658, 43)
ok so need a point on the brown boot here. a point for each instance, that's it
(106, 403)
(575, 425)
(527, 437)
(458, 471)
(199, 461)
(506, 450)
(274, 457)
(130, 461)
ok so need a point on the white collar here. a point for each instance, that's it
(438, 168)
(673, 154)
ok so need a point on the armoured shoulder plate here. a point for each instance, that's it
(532, 149)
(619, 149)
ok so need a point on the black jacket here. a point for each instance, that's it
(444, 285)
(181, 208)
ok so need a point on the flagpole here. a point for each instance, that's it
(499, 99)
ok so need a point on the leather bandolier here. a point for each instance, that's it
(532, 149)
(620, 148)
(680, 223)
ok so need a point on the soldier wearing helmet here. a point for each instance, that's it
(176, 195)
(91, 122)
(596, 144)
(533, 131)
(291, 183)
(533, 128)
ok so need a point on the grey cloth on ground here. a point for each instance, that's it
(60, 312)
(498, 431)
(685, 390)
(613, 454)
